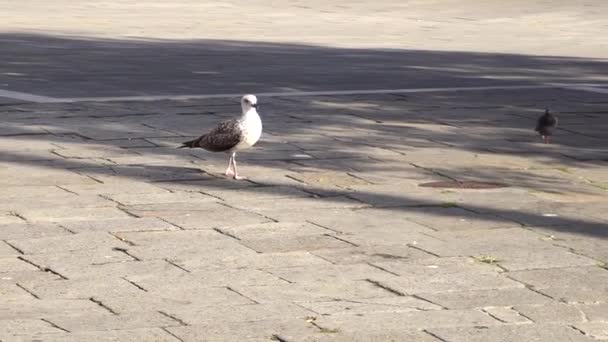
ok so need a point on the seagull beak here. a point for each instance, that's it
(255, 105)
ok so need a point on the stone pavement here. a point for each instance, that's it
(110, 233)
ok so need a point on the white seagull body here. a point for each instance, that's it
(233, 135)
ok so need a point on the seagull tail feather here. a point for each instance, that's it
(189, 144)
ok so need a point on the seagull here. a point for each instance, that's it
(545, 125)
(233, 135)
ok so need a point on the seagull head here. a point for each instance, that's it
(248, 102)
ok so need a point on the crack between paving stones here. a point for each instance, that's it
(67, 229)
(493, 316)
(522, 315)
(385, 287)
(134, 284)
(126, 252)
(100, 303)
(124, 210)
(339, 239)
(383, 269)
(433, 335)
(428, 301)
(54, 325)
(27, 290)
(172, 334)
(211, 195)
(249, 211)
(130, 243)
(322, 257)
(17, 215)
(43, 269)
(274, 275)
(531, 288)
(171, 223)
(13, 247)
(176, 265)
(422, 250)
(178, 320)
(226, 234)
(240, 294)
(324, 227)
(67, 190)
(578, 330)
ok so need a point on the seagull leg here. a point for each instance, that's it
(229, 172)
(236, 174)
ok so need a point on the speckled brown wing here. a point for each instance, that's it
(222, 138)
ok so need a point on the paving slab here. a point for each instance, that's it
(526, 332)
(108, 232)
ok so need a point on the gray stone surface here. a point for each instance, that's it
(108, 232)
(508, 333)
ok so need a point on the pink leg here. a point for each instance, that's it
(236, 174)
(229, 172)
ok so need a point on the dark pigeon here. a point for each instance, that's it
(545, 126)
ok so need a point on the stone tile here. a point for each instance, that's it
(370, 305)
(119, 225)
(595, 312)
(87, 321)
(311, 292)
(506, 315)
(296, 243)
(128, 199)
(15, 265)
(511, 332)
(31, 308)
(454, 219)
(444, 274)
(6, 250)
(484, 298)
(84, 263)
(552, 313)
(175, 299)
(12, 192)
(30, 231)
(596, 330)
(113, 186)
(75, 214)
(270, 205)
(508, 253)
(390, 321)
(222, 259)
(173, 209)
(23, 277)
(260, 330)
(194, 315)
(127, 335)
(569, 284)
(331, 273)
(10, 218)
(67, 243)
(372, 253)
(67, 201)
(367, 336)
(160, 281)
(80, 288)
(214, 218)
(273, 230)
(24, 326)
